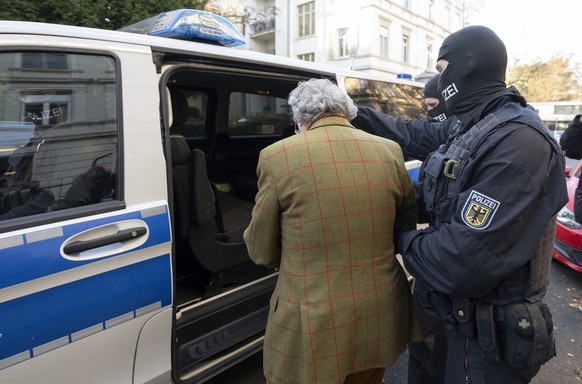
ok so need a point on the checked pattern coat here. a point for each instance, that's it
(324, 215)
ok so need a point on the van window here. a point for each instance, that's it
(257, 114)
(189, 109)
(58, 131)
(402, 100)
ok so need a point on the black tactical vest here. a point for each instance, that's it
(444, 168)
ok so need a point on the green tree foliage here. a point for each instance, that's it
(553, 80)
(105, 14)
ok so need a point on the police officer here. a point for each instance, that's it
(436, 108)
(492, 190)
(571, 143)
(435, 129)
(571, 139)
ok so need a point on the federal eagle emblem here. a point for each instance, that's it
(479, 210)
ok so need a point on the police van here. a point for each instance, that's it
(126, 181)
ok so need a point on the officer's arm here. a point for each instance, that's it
(263, 237)
(497, 222)
(571, 139)
(417, 137)
(405, 219)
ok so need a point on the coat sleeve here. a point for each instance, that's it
(417, 137)
(571, 139)
(263, 235)
(406, 212)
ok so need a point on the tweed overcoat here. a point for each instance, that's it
(324, 215)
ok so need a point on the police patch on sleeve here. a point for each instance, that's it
(479, 210)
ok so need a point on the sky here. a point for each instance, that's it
(532, 29)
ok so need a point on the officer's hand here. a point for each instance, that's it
(400, 227)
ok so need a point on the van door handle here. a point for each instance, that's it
(120, 236)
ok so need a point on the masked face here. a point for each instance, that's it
(473, 63)
(435, 104)
(436, 110)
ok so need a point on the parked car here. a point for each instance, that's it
(568, 241)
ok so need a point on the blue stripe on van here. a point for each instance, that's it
(92, 304)
(32, 260)
(413, 167)
(414, 173)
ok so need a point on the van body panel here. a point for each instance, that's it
(50, 302)
(153, 352)
(105, 357)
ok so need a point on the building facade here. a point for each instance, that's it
(385, 37)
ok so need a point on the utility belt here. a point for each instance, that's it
(521, 334)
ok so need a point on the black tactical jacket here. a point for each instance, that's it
(483, 238)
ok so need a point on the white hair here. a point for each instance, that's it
(316, 97)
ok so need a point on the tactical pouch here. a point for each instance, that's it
(529, 339)
(464, 311)
(432, 170)
(487, 328)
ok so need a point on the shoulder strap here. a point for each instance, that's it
(467, 143)
(530, 117)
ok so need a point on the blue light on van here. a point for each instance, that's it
(190, 24)
(407, 76)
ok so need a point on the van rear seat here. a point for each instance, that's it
(210, 222)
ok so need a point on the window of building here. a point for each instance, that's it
(429, 55)
(405, 48)
(307, 56)
(257, 114)
(343, 42)
(58, 134)
(430, 4)
(459, 20)
(44, 60)
(384, 41)
(306, 13)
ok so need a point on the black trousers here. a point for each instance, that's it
(422, 369)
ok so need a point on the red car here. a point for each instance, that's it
(568, 242)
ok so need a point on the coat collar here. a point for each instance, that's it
(330, 120)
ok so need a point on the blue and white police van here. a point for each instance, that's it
(123, 201)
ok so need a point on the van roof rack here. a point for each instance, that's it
(191, 25)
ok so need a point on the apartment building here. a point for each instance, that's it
(387, 37)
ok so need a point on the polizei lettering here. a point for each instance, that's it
(442, 117)
(485, 201)
(450, 91)
(479, 210)
(46, 114)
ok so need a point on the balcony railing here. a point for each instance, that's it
(265, 25)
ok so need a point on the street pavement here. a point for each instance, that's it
(564, 299)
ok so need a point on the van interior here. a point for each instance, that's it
(218, 122)
(218, 118)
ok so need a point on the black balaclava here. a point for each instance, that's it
(476, 71)
(440, 112)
